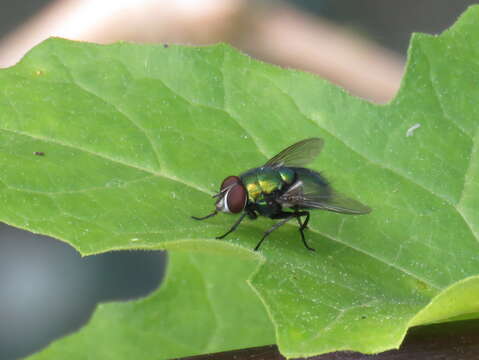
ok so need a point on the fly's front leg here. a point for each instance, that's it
(235, 225)
(205, 217)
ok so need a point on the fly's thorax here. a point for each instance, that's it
(254, 191)
(266, 205)
(266, 180)
(250, 182)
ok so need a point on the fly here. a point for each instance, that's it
(283, 189)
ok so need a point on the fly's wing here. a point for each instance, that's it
(312, 191)
(299, 154)
(337, 203)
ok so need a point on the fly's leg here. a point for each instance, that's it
(305, 223)
(303, 226)
(205, 217)
(235, 225)
(285, 218)
(251, 214)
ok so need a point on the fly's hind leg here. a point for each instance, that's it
(303, 226)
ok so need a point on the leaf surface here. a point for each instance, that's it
(197, 310)
(136, 139)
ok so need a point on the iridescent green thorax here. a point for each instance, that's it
(264, 181)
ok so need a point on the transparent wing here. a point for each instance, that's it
(338, 203)
(312, 191)
(299, 154)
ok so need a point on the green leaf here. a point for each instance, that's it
(136, 139)
(198, 309)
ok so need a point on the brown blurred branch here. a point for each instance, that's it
(291, 38)
(271, 31)
(449, 341)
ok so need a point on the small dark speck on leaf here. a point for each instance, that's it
(39, 153)
(165, 46)
(363, 317)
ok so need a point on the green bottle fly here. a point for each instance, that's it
(283, 189)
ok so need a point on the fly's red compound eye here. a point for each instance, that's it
(236, 198)
(230, 180)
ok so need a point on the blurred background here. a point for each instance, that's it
(46, 289)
